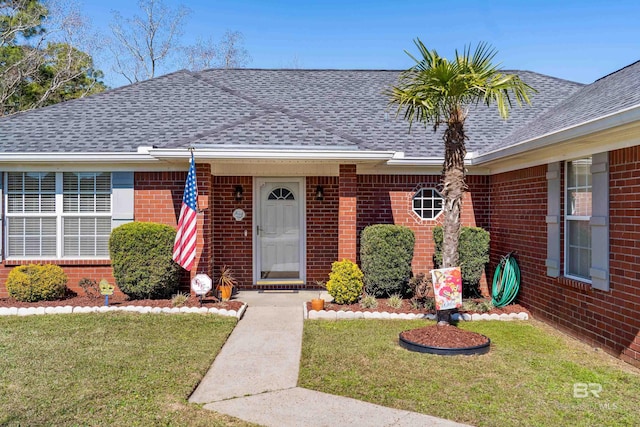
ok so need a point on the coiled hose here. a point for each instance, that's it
(506, 281)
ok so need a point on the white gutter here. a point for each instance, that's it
(271, 154)
(400, 160)
(628, 115)
(76, 157)
(416, 161)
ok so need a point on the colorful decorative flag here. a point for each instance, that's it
(447, 288)
(184, 248)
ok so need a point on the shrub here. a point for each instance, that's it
(473, 250)
(368, 301)
(480, 306)
(31, 283)
(430, 304)
(141, 256)
(485, 306)
(386, 252)
(395, 301)
(90, 287)
(345, 282)
(179, 299)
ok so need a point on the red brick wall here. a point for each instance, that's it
(380, 199)
(232, 240)
(158, 198)
(322, 228)
(232, 247)
(387, 199)
(605, 319)
(624, 235)
(347, 217)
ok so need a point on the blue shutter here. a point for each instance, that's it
(121, 198)
(553, 219)
(599, 223)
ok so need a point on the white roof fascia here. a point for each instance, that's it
(400, 160)
(76, 158)
(270, 154)
(622, 117)
(416, 161)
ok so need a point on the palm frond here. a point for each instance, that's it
(434, 87)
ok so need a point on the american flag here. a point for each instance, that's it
(184, 248)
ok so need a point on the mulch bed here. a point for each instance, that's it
(121, 301)
(444, 336)
(407, 308)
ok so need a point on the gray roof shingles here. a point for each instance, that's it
(610, 94)
(247, 107)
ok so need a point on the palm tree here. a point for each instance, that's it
(438, 91)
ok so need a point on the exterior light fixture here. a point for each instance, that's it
(238, 192)
(319, 192)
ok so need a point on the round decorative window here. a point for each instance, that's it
(427, 203)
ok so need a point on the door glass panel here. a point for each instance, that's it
(280, 230)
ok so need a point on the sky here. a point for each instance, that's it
(574, 40)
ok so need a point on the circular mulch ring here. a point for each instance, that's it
(444, 340)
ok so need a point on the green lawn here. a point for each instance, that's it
(526, 379)
(107, 369)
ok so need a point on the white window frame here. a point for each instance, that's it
(59, 214)
(569, 218)
(435, 196)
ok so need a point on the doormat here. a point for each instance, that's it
(278, 291)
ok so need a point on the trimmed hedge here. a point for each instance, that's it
(345, 282)
(34, 282)
(141, 256)
(386, 252)
(473, 250)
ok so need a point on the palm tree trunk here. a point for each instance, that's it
(454, 186)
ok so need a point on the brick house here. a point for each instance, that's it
(293, 164)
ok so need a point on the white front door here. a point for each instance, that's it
(280, 231)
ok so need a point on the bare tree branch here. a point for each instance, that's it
(232, 50)
(201, 55)
(229, 53)
(144, 44)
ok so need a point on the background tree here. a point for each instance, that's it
(41, 62)
(145, 43)
(228, 53)
(148, 44)
(439, 92)
(232, 51)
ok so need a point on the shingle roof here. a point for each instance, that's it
(610, 94)
(309, 108)
(167, 111)
(352, 103)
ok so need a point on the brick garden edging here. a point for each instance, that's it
(30, 311)
(340, 315)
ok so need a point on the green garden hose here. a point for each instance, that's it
(506, 281)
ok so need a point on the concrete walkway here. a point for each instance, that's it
(255, 375)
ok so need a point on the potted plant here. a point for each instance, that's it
(225, 283)
(318, 303)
